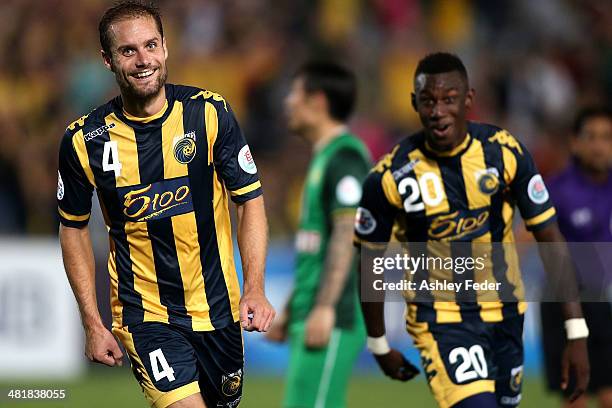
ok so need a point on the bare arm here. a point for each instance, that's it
(79, 264)
(253, 243)
(338, 260)
(557, 263)
(100, 345)
(559, 266)
(322, 317)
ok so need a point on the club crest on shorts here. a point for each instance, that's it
(516, 378)
(185, 147)
(230, 383)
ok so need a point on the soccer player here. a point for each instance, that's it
(322, 319)
(458, 181)
(582, 195)
(162, 159)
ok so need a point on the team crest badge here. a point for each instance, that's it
(230, 383)
(185, 148)
(488, 181)
(516, 378)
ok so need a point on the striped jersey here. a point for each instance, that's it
(417, 195)
(163, 184)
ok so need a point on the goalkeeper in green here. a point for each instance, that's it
(322, 320)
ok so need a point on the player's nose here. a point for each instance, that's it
(142, 59)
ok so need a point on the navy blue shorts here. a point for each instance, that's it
(171, 362)
(465, 359)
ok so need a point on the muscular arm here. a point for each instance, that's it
(253, 242)
(100, 345)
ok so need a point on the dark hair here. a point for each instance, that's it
(439, 63)
(587, 113)
(124, 10)
(337, 83)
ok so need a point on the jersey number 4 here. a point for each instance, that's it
(110, 158)
(429, 188)
(159, 365)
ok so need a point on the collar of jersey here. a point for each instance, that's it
(456, 151)
(148, 118)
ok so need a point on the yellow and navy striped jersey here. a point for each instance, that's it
(163, 184)
(417, 195)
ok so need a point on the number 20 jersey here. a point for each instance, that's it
(162, 183)
(418, 195)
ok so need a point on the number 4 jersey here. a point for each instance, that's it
(465, 195)
(162, 183)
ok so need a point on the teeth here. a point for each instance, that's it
(144, 74)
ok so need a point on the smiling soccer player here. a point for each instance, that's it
(162, 158)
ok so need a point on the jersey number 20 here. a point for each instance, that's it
(473, 363)
(429, 187)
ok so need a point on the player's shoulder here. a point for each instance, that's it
(192, 94)
(398, 157)
(91, 124)
(490, 135)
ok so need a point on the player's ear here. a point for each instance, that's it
(165, 48)
(413, 100)
(106, 58)
(469, 99)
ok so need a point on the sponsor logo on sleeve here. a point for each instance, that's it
(60, 186)
(245, 160)
(365, 223)
(348, 191)
(536, 190)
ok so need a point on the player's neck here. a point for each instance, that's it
(325, 133)
(143, 108)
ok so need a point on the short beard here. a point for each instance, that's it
(143, 95)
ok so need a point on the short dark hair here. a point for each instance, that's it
(338, 84)
(439, 63)
(124, 10)
(587, 113)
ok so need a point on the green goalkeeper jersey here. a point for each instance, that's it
(332, 185)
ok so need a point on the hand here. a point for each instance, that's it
(278, 330)
(319, 326)
(256, 313)
(395, 365)
(575, 358)
(101, 347)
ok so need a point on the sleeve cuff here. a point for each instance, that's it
(246, 193)
(542, 220)
(74, 221)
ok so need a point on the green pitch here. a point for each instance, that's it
(103, 388)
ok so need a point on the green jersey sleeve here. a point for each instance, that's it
(344, 176)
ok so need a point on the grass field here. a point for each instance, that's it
(119, 390)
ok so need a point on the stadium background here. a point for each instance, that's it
(533, 63)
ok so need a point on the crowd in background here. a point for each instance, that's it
(532, 63)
